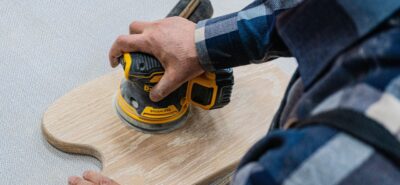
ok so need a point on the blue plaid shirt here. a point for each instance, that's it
(349, 59)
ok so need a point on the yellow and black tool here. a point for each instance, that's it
(143, 71)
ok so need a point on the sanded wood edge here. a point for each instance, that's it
(224, 180)
(72, 148)
(220, 177)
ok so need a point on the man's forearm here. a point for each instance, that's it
(243, 37)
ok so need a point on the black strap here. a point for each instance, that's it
(275, 123)
(361, 127)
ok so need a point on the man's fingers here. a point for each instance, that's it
(164, 87)
(138, 26)
(78, 181)
(125, 44)
(92, 176)
(97, 178)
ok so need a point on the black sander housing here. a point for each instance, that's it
(208, 91)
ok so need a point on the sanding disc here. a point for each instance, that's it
(150, 128)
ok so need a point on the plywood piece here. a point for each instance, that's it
(209, 146)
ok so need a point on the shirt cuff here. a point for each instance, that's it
(219, 44)
(201, 47)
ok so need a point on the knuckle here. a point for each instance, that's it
(160, 93)
(175, 18)
(121, 39)
(131, 45)
(156, 26)
(148, 40)
(132, 24)
(105, 181)
(88, 174)
(151, 37)
(157, 23)
(73, 180)
(174, 79)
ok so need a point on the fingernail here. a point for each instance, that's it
(154, 97)
(71, 180)
(85, 174)
(114, 64)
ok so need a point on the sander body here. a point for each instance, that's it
(208, 91)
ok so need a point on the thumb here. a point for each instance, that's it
(164, 87)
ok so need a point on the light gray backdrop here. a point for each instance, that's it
(47, 48)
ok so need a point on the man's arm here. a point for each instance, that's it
(227, 41)
(243, 37)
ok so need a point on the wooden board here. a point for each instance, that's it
(209, 146)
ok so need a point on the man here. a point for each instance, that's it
(339, 120)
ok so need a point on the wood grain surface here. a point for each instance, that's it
(209, 146)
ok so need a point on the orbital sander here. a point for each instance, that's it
(210, 90)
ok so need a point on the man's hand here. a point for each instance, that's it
(91, 178)
(171, 41)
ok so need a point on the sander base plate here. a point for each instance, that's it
(150, 128)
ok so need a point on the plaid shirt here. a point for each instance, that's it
(349, 59)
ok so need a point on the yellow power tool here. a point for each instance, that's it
(143, 71)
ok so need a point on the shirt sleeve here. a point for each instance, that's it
(243, 37)
(314, 154)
